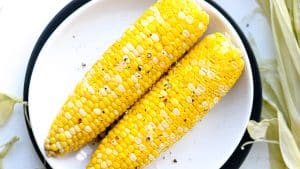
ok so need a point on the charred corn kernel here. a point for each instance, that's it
(188, 92)
(125, 72)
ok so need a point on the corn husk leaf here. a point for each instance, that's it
(267, 131)
(281, 85)
(259, 130)
(7, 104)
(288, 62)
(282, 144)
(276, 160)
(5, 149)
(288, 151)
(272, 89)
(288, 146)
(296, 13)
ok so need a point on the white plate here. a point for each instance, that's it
(82, 37)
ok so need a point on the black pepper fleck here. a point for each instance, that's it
(83, 65)
(165, 100)
(174, 161)
(139, 68)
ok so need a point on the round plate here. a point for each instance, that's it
(75, 39)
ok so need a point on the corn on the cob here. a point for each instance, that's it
(173, 106)
(127, 69)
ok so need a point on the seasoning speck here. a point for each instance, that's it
(83, 65)
(174, 161)
(139, 68)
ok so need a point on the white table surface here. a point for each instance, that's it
(22, 21)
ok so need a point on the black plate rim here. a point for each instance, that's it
(238, 156)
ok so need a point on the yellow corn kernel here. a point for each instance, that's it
(125, 72)
(188, 92)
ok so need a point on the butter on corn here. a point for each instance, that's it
(173, 106)
(125, 72)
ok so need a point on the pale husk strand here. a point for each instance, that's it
(281, 86)
(5, 149)
(7, 104)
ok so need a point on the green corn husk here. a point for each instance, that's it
(280, 126)
(7, 104)
(5, 149)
